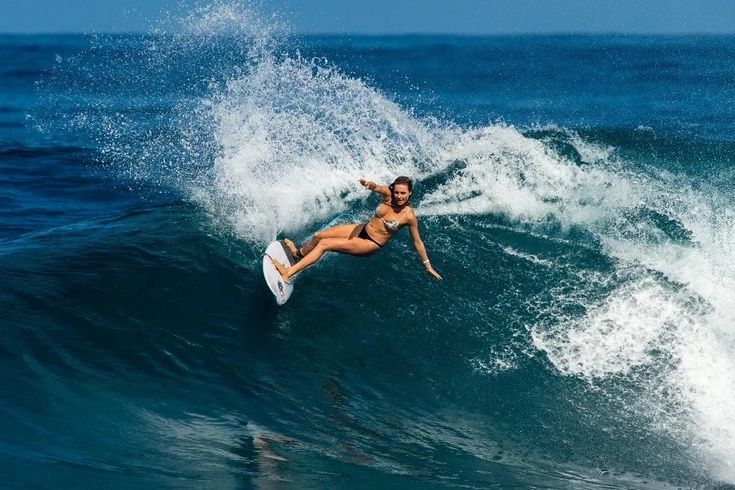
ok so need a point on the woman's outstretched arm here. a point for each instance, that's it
(383, 190)
(413, 226)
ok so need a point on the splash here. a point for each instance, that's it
(272, 141)
(295, 135)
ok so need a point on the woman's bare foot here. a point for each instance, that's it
(282, 269)
(293, 249)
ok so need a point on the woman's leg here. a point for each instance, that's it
(339, 231)
(352, 246)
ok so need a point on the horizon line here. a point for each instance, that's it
(406, 34)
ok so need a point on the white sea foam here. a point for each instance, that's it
(614, 337)
(675, 317)
(523, 178)
(526, 256)
(295, 135)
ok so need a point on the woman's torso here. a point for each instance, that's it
(386, 222)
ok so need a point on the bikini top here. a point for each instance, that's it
(391, 224)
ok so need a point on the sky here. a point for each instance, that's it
(393, 16)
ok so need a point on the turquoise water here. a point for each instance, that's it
(574, 191)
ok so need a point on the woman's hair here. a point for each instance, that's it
(402, 180)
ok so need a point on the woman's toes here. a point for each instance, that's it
(292, 248)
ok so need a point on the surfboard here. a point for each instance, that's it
(281, 290)
(277, 249)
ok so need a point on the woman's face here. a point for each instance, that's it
(400, 194)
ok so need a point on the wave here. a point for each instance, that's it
(294, 136)
(628, 262)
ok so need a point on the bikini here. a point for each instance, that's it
(391, 225)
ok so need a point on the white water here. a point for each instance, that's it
(294, 138)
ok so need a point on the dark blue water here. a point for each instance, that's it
(574, 191)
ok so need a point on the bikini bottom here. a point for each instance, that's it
(364, 235)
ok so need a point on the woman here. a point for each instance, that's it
(392, 214)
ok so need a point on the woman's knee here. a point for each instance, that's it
(323, 244)
(329, 244)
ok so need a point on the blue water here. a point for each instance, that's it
(574, 191)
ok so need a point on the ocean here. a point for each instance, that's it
(574, 191)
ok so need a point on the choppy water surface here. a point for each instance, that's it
(574, 191)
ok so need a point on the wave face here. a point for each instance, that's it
(582, 337)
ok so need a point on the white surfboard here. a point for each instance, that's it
(281, 290)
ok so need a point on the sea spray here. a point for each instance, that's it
(294, 138)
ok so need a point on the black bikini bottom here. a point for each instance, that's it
(364, 235)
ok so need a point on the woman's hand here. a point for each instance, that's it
(365, 183)
(430, 271)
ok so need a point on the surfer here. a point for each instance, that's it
(393, 213)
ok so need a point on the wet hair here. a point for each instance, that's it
(402, 180)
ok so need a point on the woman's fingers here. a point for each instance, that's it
(434, 274)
